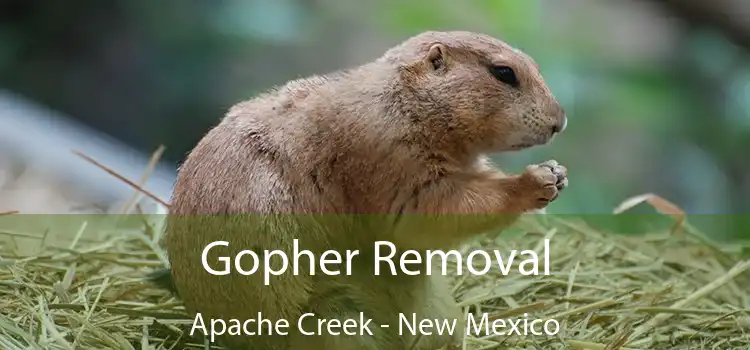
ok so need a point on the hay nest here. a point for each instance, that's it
(658, 291)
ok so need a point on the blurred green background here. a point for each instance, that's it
(657, 92)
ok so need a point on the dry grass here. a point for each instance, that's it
(660, 291)
(669, 290)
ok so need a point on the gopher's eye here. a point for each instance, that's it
(505, 74)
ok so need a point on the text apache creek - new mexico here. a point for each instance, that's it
(407, 324)
(330, 261)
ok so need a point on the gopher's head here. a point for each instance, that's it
(477, 91)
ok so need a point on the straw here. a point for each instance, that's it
(662, 290)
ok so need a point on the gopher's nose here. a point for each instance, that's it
(560, 127)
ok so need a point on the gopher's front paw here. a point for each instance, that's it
(543, 182)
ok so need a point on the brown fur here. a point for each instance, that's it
(394, 136)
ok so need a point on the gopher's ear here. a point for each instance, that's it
(437, 56)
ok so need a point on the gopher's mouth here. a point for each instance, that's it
(520, 146)
(532, 142)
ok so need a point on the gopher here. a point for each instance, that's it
(393, 150)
